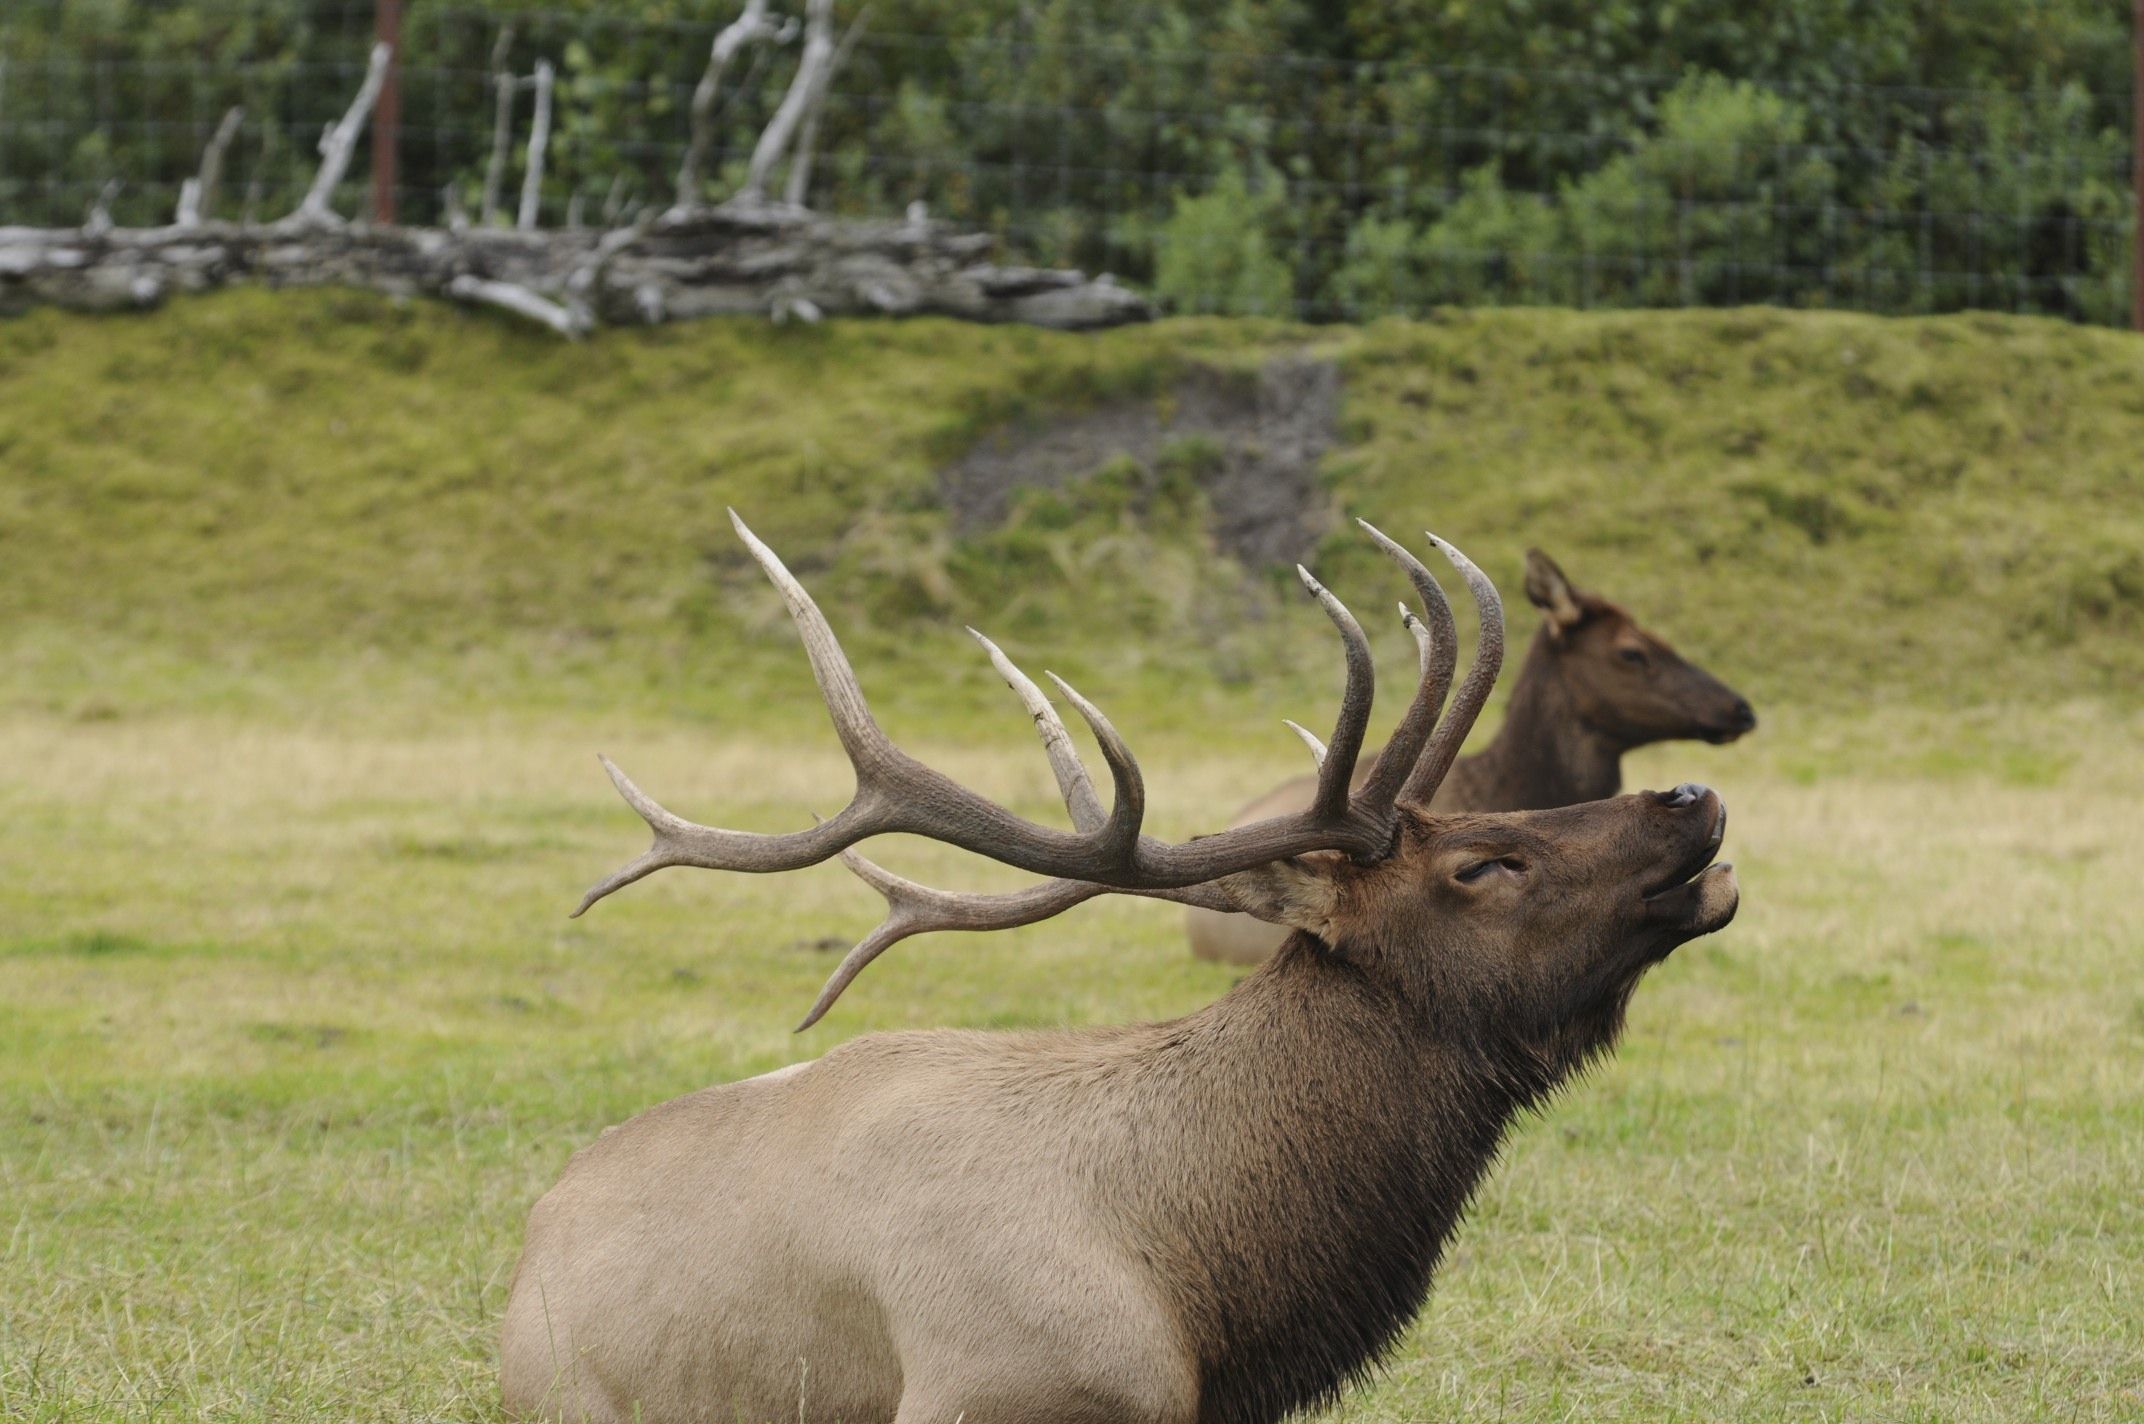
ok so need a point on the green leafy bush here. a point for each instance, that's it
(1213, 254)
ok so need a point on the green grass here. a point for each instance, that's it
(297, 1030)
(309, 627)
(268, 502)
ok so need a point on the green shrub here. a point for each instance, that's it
(1213, 254)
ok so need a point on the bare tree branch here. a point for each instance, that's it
(583, 280)
(339, 142)
(539, 143)
(521, 301)
(502, 125)
(781, 130)
(752, 27)
(99, 220)
(799, 182)
(198, 194)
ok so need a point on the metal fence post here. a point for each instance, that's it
(2136, 170)
(387, 114)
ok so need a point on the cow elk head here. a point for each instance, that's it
(1622, 680)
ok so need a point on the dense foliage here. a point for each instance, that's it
(1333, 159)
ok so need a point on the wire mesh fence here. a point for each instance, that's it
(1220, 179)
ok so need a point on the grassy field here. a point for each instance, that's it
(298, 724)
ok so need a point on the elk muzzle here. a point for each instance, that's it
(1739, 721)
(1695, 896)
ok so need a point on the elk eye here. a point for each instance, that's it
(1510, 864)
(1634, 656)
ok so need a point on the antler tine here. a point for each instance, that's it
(662, 853)
(1336, 763)
(1439, 644)
(1310, 740)
(1419, 631)
(1119, 835)
(853, 722)
(913, 909)
(1081, 803)
(904, 899)
(1443, 749)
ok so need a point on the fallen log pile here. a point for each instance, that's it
(749, 255)
(772, 260)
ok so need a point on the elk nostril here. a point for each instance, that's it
(1687, 794)
(1745, 716)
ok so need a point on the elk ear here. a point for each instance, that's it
(1297, 892)
(1552, 593)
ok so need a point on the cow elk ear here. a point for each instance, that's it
(1297, 892)
(1552, 593)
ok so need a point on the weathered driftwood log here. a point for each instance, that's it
(539, 144)
(339, 142)
(797, 187)
(814, 67)
(197, 195)
(503, 86)
(755, 26)
(764, 259)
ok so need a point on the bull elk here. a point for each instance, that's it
(1221, 1219)
(1594, 686)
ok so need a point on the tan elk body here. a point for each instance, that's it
(1593, 686)
(1215, 1220)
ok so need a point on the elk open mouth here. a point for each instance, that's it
(1701, 905)
(1694, 866)
(1698, 897)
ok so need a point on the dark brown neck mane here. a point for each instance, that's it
(1300, 1214)
(1542, 755)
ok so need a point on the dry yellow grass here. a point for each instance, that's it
(296, 1030)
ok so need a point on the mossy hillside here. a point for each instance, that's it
(1834, 507)
(271, 490)
(317, 500)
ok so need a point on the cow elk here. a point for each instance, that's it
(1216, 1220)
(1594, 686)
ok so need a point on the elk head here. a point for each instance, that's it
(1547, 913)
(1537, 924)
(1623, 681)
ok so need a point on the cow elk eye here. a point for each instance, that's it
(1634, 656)
(1480, 869)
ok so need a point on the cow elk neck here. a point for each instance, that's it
(1217, 1220)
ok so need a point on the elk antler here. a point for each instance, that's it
(1439, 642)
(1436, 759)
(895, 793)
(914, 909)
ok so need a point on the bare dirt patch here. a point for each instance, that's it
(1271, 429)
